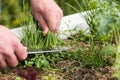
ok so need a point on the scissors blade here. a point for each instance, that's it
(59, 49)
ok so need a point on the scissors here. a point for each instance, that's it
(58, 49)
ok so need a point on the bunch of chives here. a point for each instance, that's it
(33, 37)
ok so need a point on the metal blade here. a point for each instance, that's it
(58, 49)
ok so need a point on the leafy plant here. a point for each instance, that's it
(39, 61)
(30, 74)
(101, 19)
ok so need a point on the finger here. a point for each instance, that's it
(58, 23)
(2, 62)
(21, 52)
(42, 22)
(11, 59)
(54, 22)
(51, 21)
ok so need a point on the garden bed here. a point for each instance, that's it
(69, 64)
(94, 39)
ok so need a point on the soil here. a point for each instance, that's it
(68, 73)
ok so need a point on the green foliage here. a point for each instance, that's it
(104, 25)
(34, 40)
(101, 16)
(11, 12)
(44, 61)
(83, 5)
(117, 58)
(66, 9)
(102, 20)
(33, 37)
(109, 25)
(39, 61)
(98, 49)
(108, 50)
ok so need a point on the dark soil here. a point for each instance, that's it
(75, 73)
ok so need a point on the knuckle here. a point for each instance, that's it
(17, 43)
(61, 12)
(7, 52)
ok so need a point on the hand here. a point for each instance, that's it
(11, 50)
(48, 14)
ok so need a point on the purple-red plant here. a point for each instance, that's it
(29, 74)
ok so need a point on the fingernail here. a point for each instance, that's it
(44, 33)
(25, 48)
